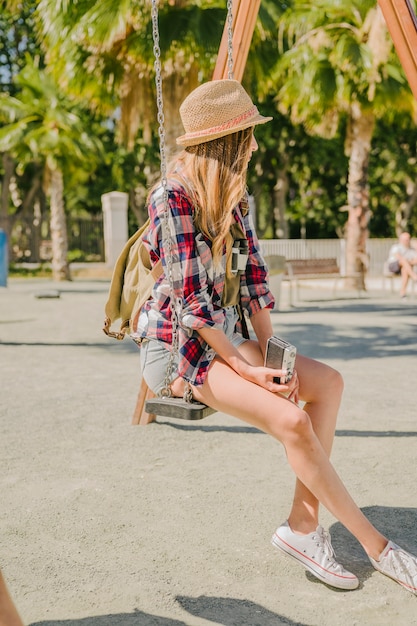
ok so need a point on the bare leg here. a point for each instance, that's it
(8, 612)
(321, 388)
(407, 272)
(317, 482)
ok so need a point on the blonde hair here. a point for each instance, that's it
(216, 183)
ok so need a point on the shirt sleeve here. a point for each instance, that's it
(392, 254)
(190, 255)
(255, 292)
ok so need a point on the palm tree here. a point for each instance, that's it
(340, 63)
(104, 50)
(47, 128)
(16, 37)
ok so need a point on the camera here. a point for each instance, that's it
(280, 354)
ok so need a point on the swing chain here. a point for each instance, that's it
(176, 304)
(229, 40)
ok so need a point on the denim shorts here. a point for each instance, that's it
(154, 356)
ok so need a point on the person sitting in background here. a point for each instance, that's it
(402, 259)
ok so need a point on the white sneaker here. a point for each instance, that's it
(398, 565)
(315, 552)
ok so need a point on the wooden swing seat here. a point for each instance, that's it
(148, 406)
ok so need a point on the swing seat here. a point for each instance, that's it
(148, 406)
(177, 408)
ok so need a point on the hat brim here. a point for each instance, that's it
(194, 139)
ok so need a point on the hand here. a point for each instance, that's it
(264, 377)
(289, 389)
(293, 387)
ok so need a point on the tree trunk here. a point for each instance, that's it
(280, 205)
(361, 127)
(358, 148)
(179, 80)
(403, 213)
(8, 167)
(59, 239)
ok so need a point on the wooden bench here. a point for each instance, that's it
(297, 270)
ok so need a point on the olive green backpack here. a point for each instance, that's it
(131, 285)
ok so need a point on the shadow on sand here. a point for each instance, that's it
(398, 524)
(224, 611)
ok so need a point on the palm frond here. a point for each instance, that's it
(11, 135)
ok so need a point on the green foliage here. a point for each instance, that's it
(75, 255)
(69, 112)
(392, 174)
(316, 171)
(17, 39)
(93, 46)
(41, 270)
(44, 125)
(328, 63)
(192, 27)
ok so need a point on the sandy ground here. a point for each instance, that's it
(107, 524)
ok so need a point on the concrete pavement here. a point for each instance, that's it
(106, 524)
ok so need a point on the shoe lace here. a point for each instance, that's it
(326, 545)
(404, 566)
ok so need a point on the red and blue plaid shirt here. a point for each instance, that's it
(197, 283)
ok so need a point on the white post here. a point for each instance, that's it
(114, 206)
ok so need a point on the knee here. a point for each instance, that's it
(335, 381)
(330, 382)
(297, 428)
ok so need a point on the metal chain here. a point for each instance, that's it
(176, 303)
(229, 40)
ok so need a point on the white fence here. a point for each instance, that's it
(377, 250)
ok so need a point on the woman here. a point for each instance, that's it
(212, 276)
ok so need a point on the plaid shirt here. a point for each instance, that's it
(196, 282)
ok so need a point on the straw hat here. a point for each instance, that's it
(216, 109)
